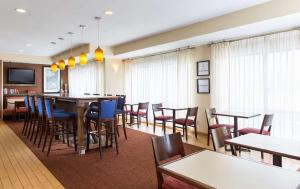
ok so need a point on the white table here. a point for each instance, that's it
(215, 170)
(278, 147)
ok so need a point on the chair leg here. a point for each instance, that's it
(262, 155)
(100, 141)
(154, 126)
(147, 120)
(51, 138)
(38, 129)
(46, 134)
(42, 131)
(124, 126)
(74, 134)
(116, 123)
(138, 121)
(196, 131)
(186, 132)
(30, 125)
(25, 122)
(116, 138)
(208, 137)
(88, 125)
(164, 127)
(33, 128)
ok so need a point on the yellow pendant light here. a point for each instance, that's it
(82, 55)
(61, 62)
(71, 59)
(98, 54)
(54, 67)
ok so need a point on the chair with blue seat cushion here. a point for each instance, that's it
(57, 123)
(105, 117)
(120, 112)
(27, 115)
(33, 115)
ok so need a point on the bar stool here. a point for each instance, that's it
(106, 116)
(27, 115)
(33, 115)
(55, 124)
(120, 111)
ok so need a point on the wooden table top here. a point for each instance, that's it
(215, 170)
(269, 144)
(237, 114)
(170, 108)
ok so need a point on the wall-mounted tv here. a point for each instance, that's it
(20, 76)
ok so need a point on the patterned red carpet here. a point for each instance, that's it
(133, 168)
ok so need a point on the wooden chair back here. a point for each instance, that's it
(192, 112)
(219, 135)
(157, 108)
(143, 106)
(210, 117)
(165, 147)
(267, 123)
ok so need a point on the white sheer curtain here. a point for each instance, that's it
(260, 75)
(160, 79)
(87, 79)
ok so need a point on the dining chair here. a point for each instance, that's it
(190, 120)
(27, 115)
(33, 115)
(106, 116)
(161, 118)
(142, 112)
(213, 122)
(120, 112)
(219, 135)
(165, 148)
(58, 123)
(265, 128)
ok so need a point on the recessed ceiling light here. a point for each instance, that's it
(28, 44)
(19, 10)
(109, 12)
(21, 51)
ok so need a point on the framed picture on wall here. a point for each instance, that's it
(203, 68)
(51, 80)
(203, 86)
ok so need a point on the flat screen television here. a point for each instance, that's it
(20, 76)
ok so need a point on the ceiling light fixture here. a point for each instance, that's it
(61, 62)
(98, 54)
(19, 10)
(53, 66)
(21, 51)
(82, 55)
(109, 12)
(28, 44)
(71, 59)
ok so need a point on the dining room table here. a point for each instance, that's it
(209, 169)
(278, 147)
(79, 104)
(174, 110)
(236, 116)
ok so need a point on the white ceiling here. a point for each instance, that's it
(45, 21)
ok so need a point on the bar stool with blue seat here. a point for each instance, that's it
(27, 115)
(105, 116)
(33, 115)
(55, 124)
(120, 111)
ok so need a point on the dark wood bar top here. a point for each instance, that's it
(70, 96)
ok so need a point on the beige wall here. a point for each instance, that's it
(114, 76)
(200, 100)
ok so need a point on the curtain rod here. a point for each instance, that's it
(161, 53)
(254, 36)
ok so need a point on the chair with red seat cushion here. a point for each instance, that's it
(213, 122)
(142, 112)
(190, 120)
(265, 128)
(161, 118)
(165, 148)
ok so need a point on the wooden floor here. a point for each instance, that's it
(19, 167)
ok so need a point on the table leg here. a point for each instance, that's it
(235, 129)
(174, 117)
(277, 160)
(131, 117)
(80, 129)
